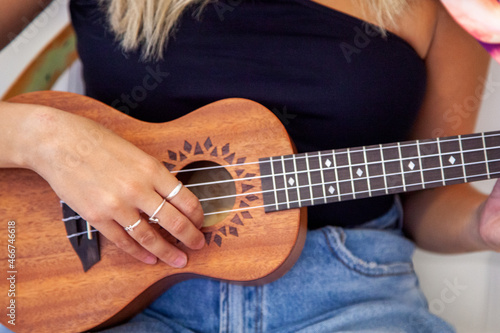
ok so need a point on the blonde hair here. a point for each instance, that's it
(148, 24)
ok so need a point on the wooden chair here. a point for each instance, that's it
(44, 70)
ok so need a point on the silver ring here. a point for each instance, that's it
(132, 226)
(174, 192)
(154, 219)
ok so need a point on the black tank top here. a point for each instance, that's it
(332, 80)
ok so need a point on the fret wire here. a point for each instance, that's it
(331, 196)
(366, 164)
(336, 175)
(309, 178)
(383, 169)
(367, 172)
(441, 161)
(406, 144)
(385, 175)
(462, 156)
(402, 167)
(428, 169)
(432, 155)
(350, 172)
(274, 184)
(284, 179)
(393, 160)
(296, 178)
(448, 139)
(420, 162)
(322, 175)
(486, 156)
(394, 187)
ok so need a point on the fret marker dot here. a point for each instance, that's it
(411, 165)
(359, 172)
(291, 181)
(452, 160)
(331, 190)
(328, 163)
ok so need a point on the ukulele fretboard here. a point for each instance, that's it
(308, 179)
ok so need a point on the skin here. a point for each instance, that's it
(455, 218)
(450, 219)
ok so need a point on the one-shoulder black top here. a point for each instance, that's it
(332, 80)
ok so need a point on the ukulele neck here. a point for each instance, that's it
(307, 179)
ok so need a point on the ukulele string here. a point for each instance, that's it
(333, 153)
(380, 148)
(416, 143)
(215, 167)
(89, 230)
(301, 201)
(323, 183)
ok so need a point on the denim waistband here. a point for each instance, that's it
(345, 280)
(392, 220)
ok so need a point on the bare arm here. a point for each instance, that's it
(40, 138)
(110, 188)
(15, 15)
(448, 219)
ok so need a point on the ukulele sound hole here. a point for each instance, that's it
(220, 184)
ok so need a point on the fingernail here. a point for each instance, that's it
(180, 262)
(151, 259)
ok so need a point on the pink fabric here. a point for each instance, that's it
(481, 18)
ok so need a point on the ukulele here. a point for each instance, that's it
(236, 156)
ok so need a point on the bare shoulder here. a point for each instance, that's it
(456, 67)
(418, 24)
(428, 25)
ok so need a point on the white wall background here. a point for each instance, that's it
(23, 49)
(473, 305)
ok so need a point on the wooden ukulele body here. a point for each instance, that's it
(53, 294)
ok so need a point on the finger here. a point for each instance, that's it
(179, 226)
(172, 220)
(183, 200)
(151, 240)
(116, 234)
(189, 205)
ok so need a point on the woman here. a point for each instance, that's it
(342, 82)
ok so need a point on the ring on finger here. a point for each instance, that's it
(152, 218)
(174, 192)
(132, 226)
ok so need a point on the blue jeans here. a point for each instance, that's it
(346, 280)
